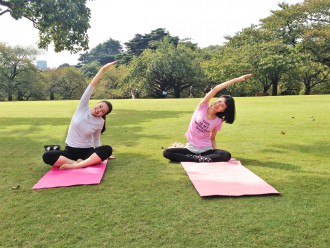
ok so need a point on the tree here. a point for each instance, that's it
(306, 27)
(71, 83)
(274, 60)
(257, 50)
(52, 79)
(317, 42)
(313, 73)
(13, 63)
(141, 42)
(304, 24)
(316, 36)
(102, 53)
(65, 65)
(31, 87)
(110, 86)
(65, 23)
(226, 63)
(90, 69)
(169, 67)
(64, 83)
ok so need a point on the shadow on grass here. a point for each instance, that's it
(22, 139)
(221, 197)
(316, 148)
(125, 126)
(271, 164)
(17, 121)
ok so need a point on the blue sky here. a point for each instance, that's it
(204, 22)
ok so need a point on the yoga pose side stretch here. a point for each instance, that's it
(83, 146)
(204, 125)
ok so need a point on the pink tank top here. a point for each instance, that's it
(200, 127)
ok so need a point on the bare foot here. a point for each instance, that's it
(177, 145)
(68, 166)
(112, 157)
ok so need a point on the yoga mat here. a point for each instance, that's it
(226, 179)
(63, 178)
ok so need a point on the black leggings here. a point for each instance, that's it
(50, 157)
(182, 155)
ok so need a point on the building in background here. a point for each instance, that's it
(42, 65)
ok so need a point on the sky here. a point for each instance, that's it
(205, 22)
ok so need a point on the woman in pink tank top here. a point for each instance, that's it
(205, 123)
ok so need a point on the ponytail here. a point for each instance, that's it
(105, 115)
(103, 128)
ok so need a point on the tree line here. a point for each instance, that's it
(288, 53)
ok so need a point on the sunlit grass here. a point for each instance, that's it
(146, 201)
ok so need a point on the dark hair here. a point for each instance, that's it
(105, 115)
(229, 114)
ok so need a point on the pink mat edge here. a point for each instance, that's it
(232, 162)
(40, 187)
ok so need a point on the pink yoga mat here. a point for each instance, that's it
(226, 179)
(63, 178)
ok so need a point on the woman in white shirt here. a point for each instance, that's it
(83, 146)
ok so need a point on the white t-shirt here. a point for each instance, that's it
(85, 129)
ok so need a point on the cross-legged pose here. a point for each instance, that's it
(83, 146)
(204, 125)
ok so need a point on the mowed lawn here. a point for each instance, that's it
(146, 201)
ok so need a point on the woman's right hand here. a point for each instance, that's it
(107, 66)
(244, 77)
(97, 77)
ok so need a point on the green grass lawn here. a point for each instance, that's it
(146, 201)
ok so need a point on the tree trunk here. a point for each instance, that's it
(265, 89)
(274, 86)
(176, 91)
(10, 96)
(307, 90)
(51, 96)
(19, 96)
(307, 84)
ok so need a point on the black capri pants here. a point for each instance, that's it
(184, 155)
(73, 153)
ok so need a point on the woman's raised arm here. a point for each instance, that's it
(222, 86)
(99, 74)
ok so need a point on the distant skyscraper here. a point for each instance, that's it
(42, 65)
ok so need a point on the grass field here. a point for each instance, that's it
(146, 201)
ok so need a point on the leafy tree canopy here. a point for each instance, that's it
(90, 69)
(306, 25)
(141, 42)
(15, 62)
(169, 67)
(63, 22)
(102, 53)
